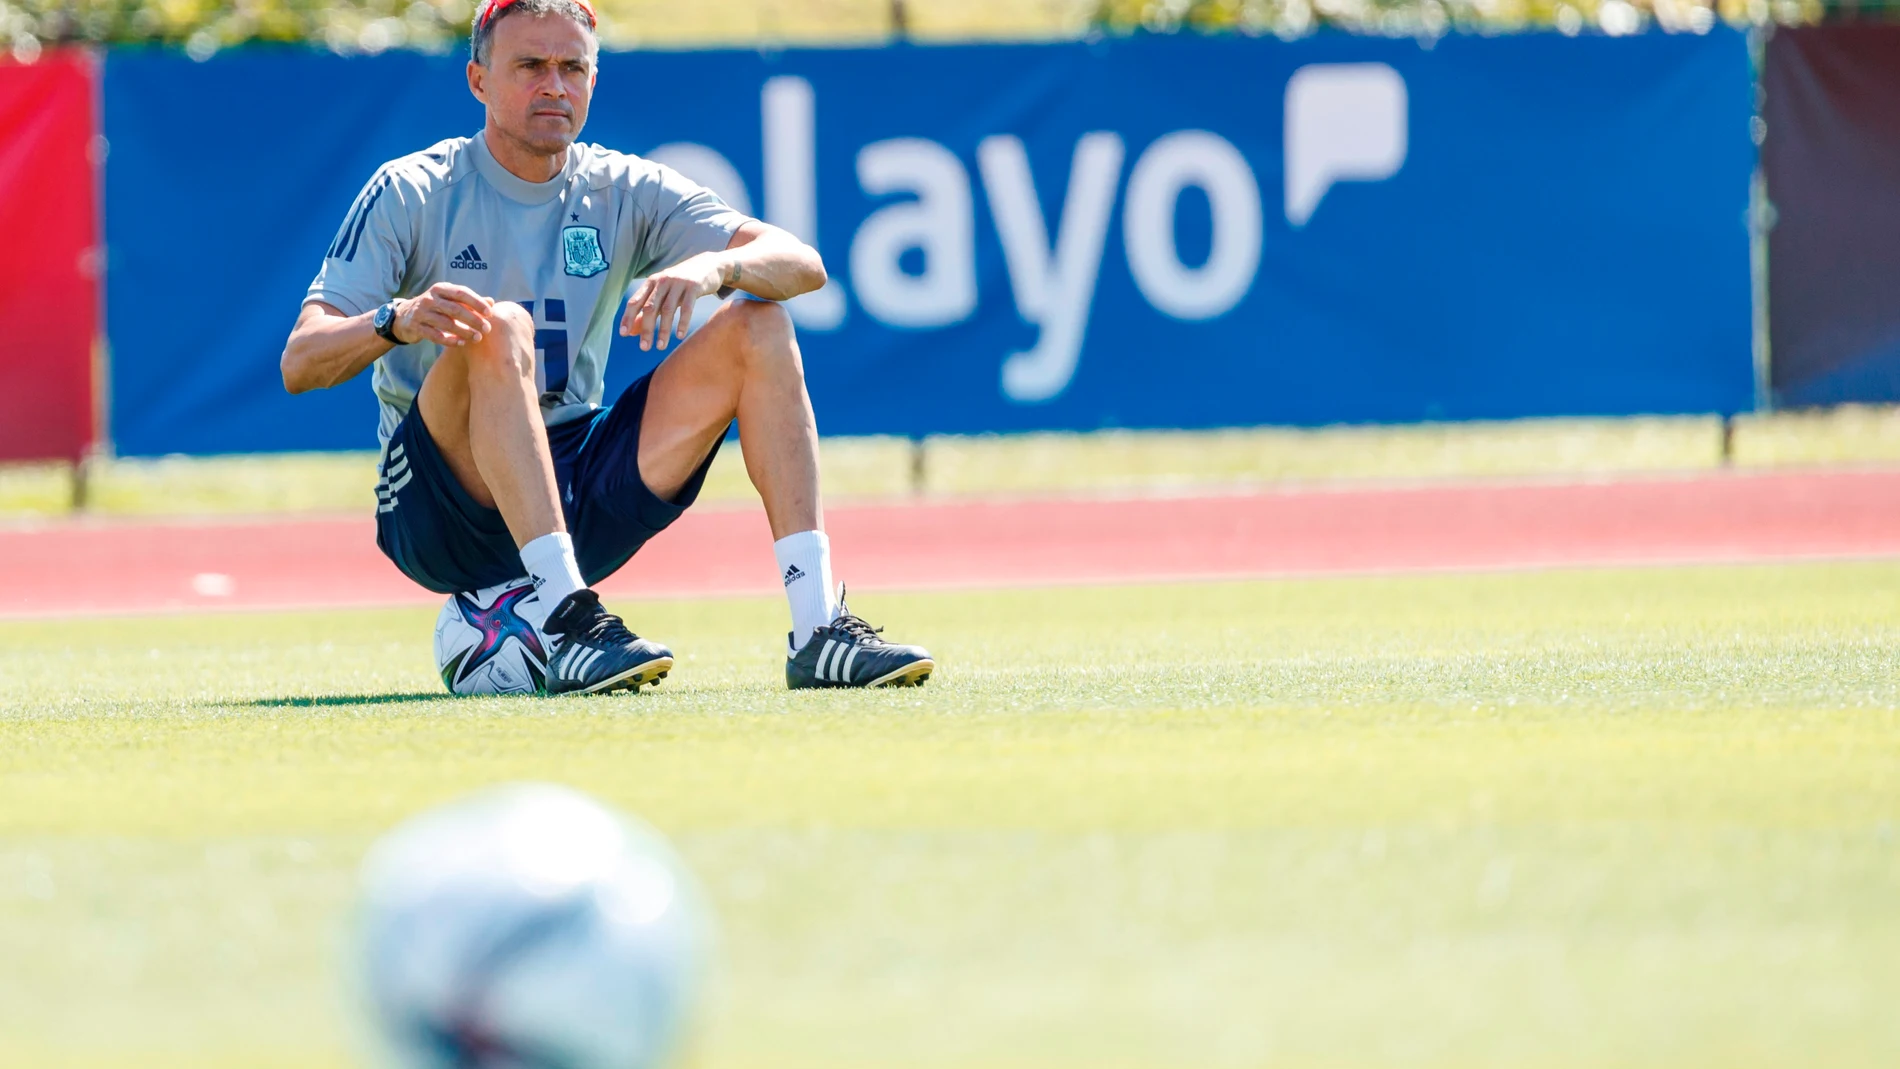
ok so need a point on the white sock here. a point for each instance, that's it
(804, 562)
(550, 563)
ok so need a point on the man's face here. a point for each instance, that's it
(539, 78)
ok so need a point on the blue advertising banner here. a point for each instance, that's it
(1150, 232)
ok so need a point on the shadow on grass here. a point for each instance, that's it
(319, 700)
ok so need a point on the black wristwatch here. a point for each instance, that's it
(385, 323)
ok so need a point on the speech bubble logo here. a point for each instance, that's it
(1345, 122)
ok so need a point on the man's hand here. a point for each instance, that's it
(662, 308)
(446, 313)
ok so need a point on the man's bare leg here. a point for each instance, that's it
(482, 408)
(490, 385)
(745, 363)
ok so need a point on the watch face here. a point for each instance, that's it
(383, 316)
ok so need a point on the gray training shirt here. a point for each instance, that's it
(568, 249)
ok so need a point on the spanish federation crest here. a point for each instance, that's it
(580, 251)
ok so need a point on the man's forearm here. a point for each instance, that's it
(328, 349)
(776, 267)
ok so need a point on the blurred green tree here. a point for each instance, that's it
(202, 27)
(1415, 18)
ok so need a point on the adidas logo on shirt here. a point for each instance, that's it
(468, 260)
(792, 574)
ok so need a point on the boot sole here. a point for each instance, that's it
(632, 679)
(914, 674)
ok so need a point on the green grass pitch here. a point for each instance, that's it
(1632, 818)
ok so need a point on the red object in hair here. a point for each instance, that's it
(503, 5)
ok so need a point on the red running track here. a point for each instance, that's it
(80, 567)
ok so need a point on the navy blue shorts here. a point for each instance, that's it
(442, 538)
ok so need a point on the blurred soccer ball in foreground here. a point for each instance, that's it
(483, 645)
(528, 927)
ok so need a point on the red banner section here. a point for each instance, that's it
(49, 290)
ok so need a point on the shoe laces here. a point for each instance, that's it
(853, 625)
(606, 629)
(860, 631)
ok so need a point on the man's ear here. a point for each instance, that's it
(477, 76)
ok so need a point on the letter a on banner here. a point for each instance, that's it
(940, 222)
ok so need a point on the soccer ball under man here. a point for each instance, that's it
(525, 927)
(483, 645)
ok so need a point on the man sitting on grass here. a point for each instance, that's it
(482, 277)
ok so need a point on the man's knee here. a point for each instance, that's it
(508, 346)
(763, 330)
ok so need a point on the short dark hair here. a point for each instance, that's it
(482, 28)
